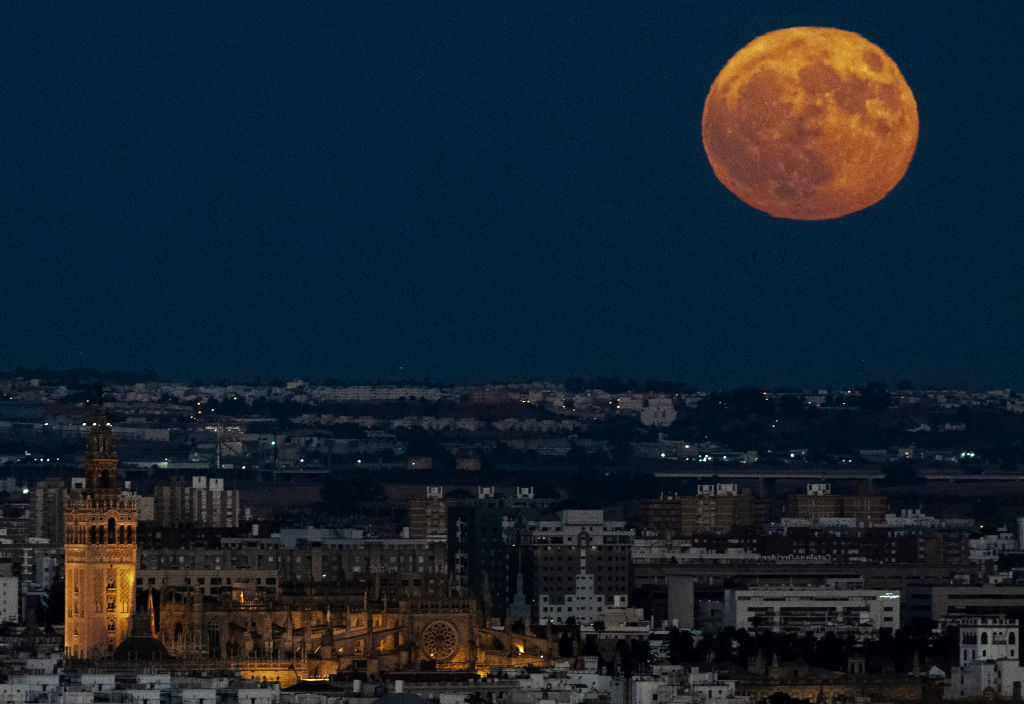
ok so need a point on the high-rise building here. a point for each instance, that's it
(485, 535)
(9, 599)
(48, 510)
(717, 509)
(204, 503)
(100, 524)
(428, 517)
(580, 566)
(864, 507)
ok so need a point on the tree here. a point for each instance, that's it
(831, 652)
(54, 613)
(705, 648)
(341, 494)
(565, 644)
(783, 698)
(662, 386)
(875, 396)
(641, 652)
(680, 646)
(790, 406)
(625, 653)
(901, 473)
(724, 644)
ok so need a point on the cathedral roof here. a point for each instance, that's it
(136, 648)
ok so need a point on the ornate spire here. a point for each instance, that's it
(100, 452)
(101, 439)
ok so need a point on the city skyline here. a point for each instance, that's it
(486, 192)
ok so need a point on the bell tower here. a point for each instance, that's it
(100, 525)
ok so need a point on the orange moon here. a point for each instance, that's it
(810, 123)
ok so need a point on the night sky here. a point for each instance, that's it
(477, 191)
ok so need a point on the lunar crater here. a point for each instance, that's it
(873, 61)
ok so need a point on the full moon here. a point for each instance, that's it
(810, 123)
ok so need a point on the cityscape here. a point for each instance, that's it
(519, 352)
(591, 540)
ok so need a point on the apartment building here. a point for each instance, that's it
(202, 503)
(819, 503)
(580, 565)
(716, 509)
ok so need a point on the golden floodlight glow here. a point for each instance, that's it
(810, 123)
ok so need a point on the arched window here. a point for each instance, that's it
(92, 534)
(1013, 638)
(984, 638)
(213, 641)
(120, 534)
(130, 534)
(111, 531)
(99, 535)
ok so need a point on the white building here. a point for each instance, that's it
(793, 609)
(583, 605)
(988, 638)
(93, 688)
(989, 659)
(659, 411)
(8, 600)
(681, 686)
(581, 566)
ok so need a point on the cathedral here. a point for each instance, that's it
(272, 637)
(291, 638)
(100, 524)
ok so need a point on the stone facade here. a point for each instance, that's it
(315, 637)
(100, 525)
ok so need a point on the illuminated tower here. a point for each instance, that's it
(99, 552)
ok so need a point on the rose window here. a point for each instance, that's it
(439, 640)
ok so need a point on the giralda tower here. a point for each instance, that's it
(100, 525)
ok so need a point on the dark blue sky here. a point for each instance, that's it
(486, 190)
